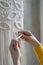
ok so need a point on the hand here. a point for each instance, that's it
(28, 36)
(15, 51)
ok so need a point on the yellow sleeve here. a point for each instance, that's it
(39, 53)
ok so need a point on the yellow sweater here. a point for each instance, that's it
(39, 53)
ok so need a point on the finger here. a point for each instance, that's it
(19, 44)
(13, 44)
(28, 33)
(24, 37)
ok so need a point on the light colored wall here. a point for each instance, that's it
(41, 20)
(32, 23)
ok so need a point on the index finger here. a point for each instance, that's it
(28, 33)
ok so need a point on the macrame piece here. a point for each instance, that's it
(11, 17)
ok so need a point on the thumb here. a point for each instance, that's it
(19, 44)
(16, 44)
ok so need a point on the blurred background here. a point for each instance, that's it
(33, 21)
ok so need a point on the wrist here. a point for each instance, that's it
(34, 41)
(17, 63)
(36, 44)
